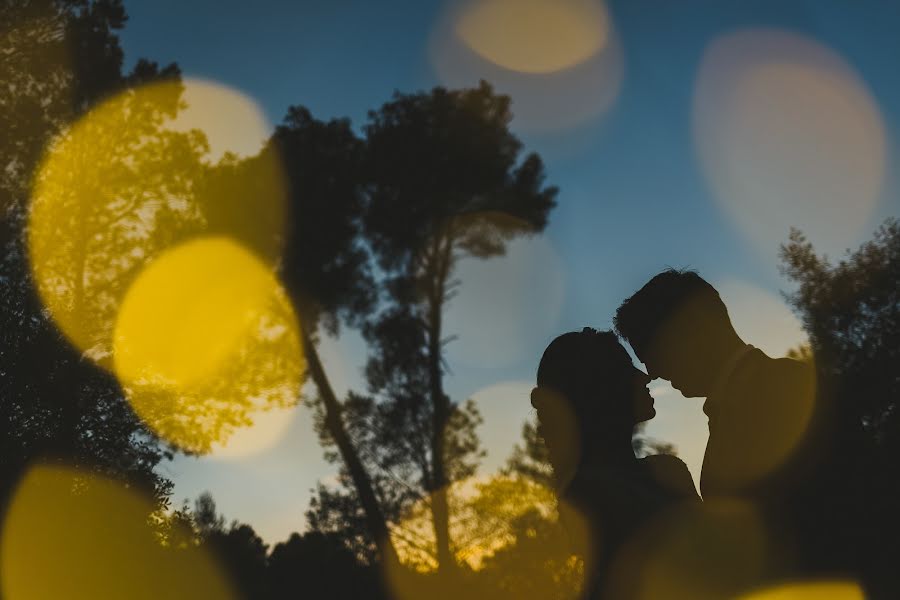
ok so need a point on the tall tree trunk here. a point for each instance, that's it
(440, 508)
(375, 520)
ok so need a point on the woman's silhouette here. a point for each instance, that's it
(589, 399)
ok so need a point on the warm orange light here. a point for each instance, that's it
(205, 343)
(231, 121)
(716, 549)
(535, 36)
(813, 590)
(761, 318)
(127, 182)
(188, 310)
(559, 60)
(484, 521)
(69, 534)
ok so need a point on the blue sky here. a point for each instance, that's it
(635, 193)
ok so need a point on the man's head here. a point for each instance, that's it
(679, 327)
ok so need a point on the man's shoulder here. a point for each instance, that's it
(770, 405)
(762, 372)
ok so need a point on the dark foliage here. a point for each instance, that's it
(325, 264)
(444, 181)
(851, 312)
(60, 59)
(318, 565)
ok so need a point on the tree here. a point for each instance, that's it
(318, 565)
(60, 58)
(237, 549)
(538, 562)
(531, 459)
(396, 426)
(327, 273)
(444, 181)
(851, 313)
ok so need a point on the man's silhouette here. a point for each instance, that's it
(773, 438)
(759, 408)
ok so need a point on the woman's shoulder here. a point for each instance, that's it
(671, 474)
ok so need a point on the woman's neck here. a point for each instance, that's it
(598, 457)
(609, 451)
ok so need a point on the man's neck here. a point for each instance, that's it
(726, 353)
(726, 368)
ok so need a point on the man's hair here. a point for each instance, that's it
(641, 317)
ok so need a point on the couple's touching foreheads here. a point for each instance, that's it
(762, 413)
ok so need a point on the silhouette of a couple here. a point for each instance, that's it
(589, 399)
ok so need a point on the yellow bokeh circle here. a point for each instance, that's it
(206, 342)
(535, 36)
(69, 534)
(131, 179)
(187, 311)
(810, 590)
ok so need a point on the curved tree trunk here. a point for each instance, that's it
(375, 520)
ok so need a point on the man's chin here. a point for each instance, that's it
(688, 392)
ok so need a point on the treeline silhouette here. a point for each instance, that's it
(374, 227)
(847, 510)
(314, 564)
(320, 563)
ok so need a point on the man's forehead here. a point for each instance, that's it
(656, 356)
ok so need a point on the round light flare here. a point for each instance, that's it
(504, 407)
(810, 590)
(761, 318)
(716, 549)
(231, 121)
(485, 512)
(206, 343)
(534, 36)
(560, 61)
(73, 535)
(127, 182)
(267, 426)
(187, 310)
(506, 305)
(788, 136)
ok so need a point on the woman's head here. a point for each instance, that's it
(589, 390)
